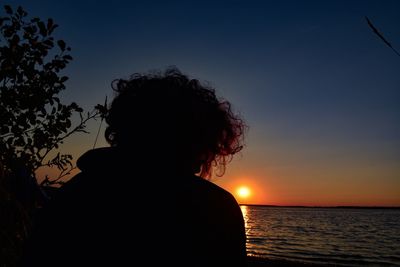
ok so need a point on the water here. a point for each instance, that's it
(339, 236)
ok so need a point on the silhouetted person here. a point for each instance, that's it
(140, 202)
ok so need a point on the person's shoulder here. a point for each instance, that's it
(68, 191)
(96, 159)
(214, 191)
(210, 185)
(217, 202)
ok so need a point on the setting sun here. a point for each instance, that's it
(243, 192)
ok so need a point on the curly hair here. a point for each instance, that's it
(170, 112)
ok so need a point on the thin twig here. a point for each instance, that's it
(77, 128)
(375, 30)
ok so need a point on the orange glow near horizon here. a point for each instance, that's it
(311, 186)
(246, 190)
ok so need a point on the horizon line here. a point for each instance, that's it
(316, 206)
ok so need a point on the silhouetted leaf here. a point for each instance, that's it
(21, 11)
(61, 44)
(42, 28)
(2, 21)
(50, 24)
(8, 9)
(67, 57)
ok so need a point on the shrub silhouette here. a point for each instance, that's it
(34, 121)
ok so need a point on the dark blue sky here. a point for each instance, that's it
(319, 90)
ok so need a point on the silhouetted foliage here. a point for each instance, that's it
(34, 121)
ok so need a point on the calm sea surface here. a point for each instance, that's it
(344, 237)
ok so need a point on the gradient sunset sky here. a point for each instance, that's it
(318, 89)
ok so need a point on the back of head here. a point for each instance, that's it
(174, 121)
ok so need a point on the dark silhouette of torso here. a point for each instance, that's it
(123, 210)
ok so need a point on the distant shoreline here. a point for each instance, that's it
(328, 207)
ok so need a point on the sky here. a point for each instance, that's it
(318, 89)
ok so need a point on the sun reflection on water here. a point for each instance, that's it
(245, 212)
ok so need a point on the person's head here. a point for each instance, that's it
(174, 120)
